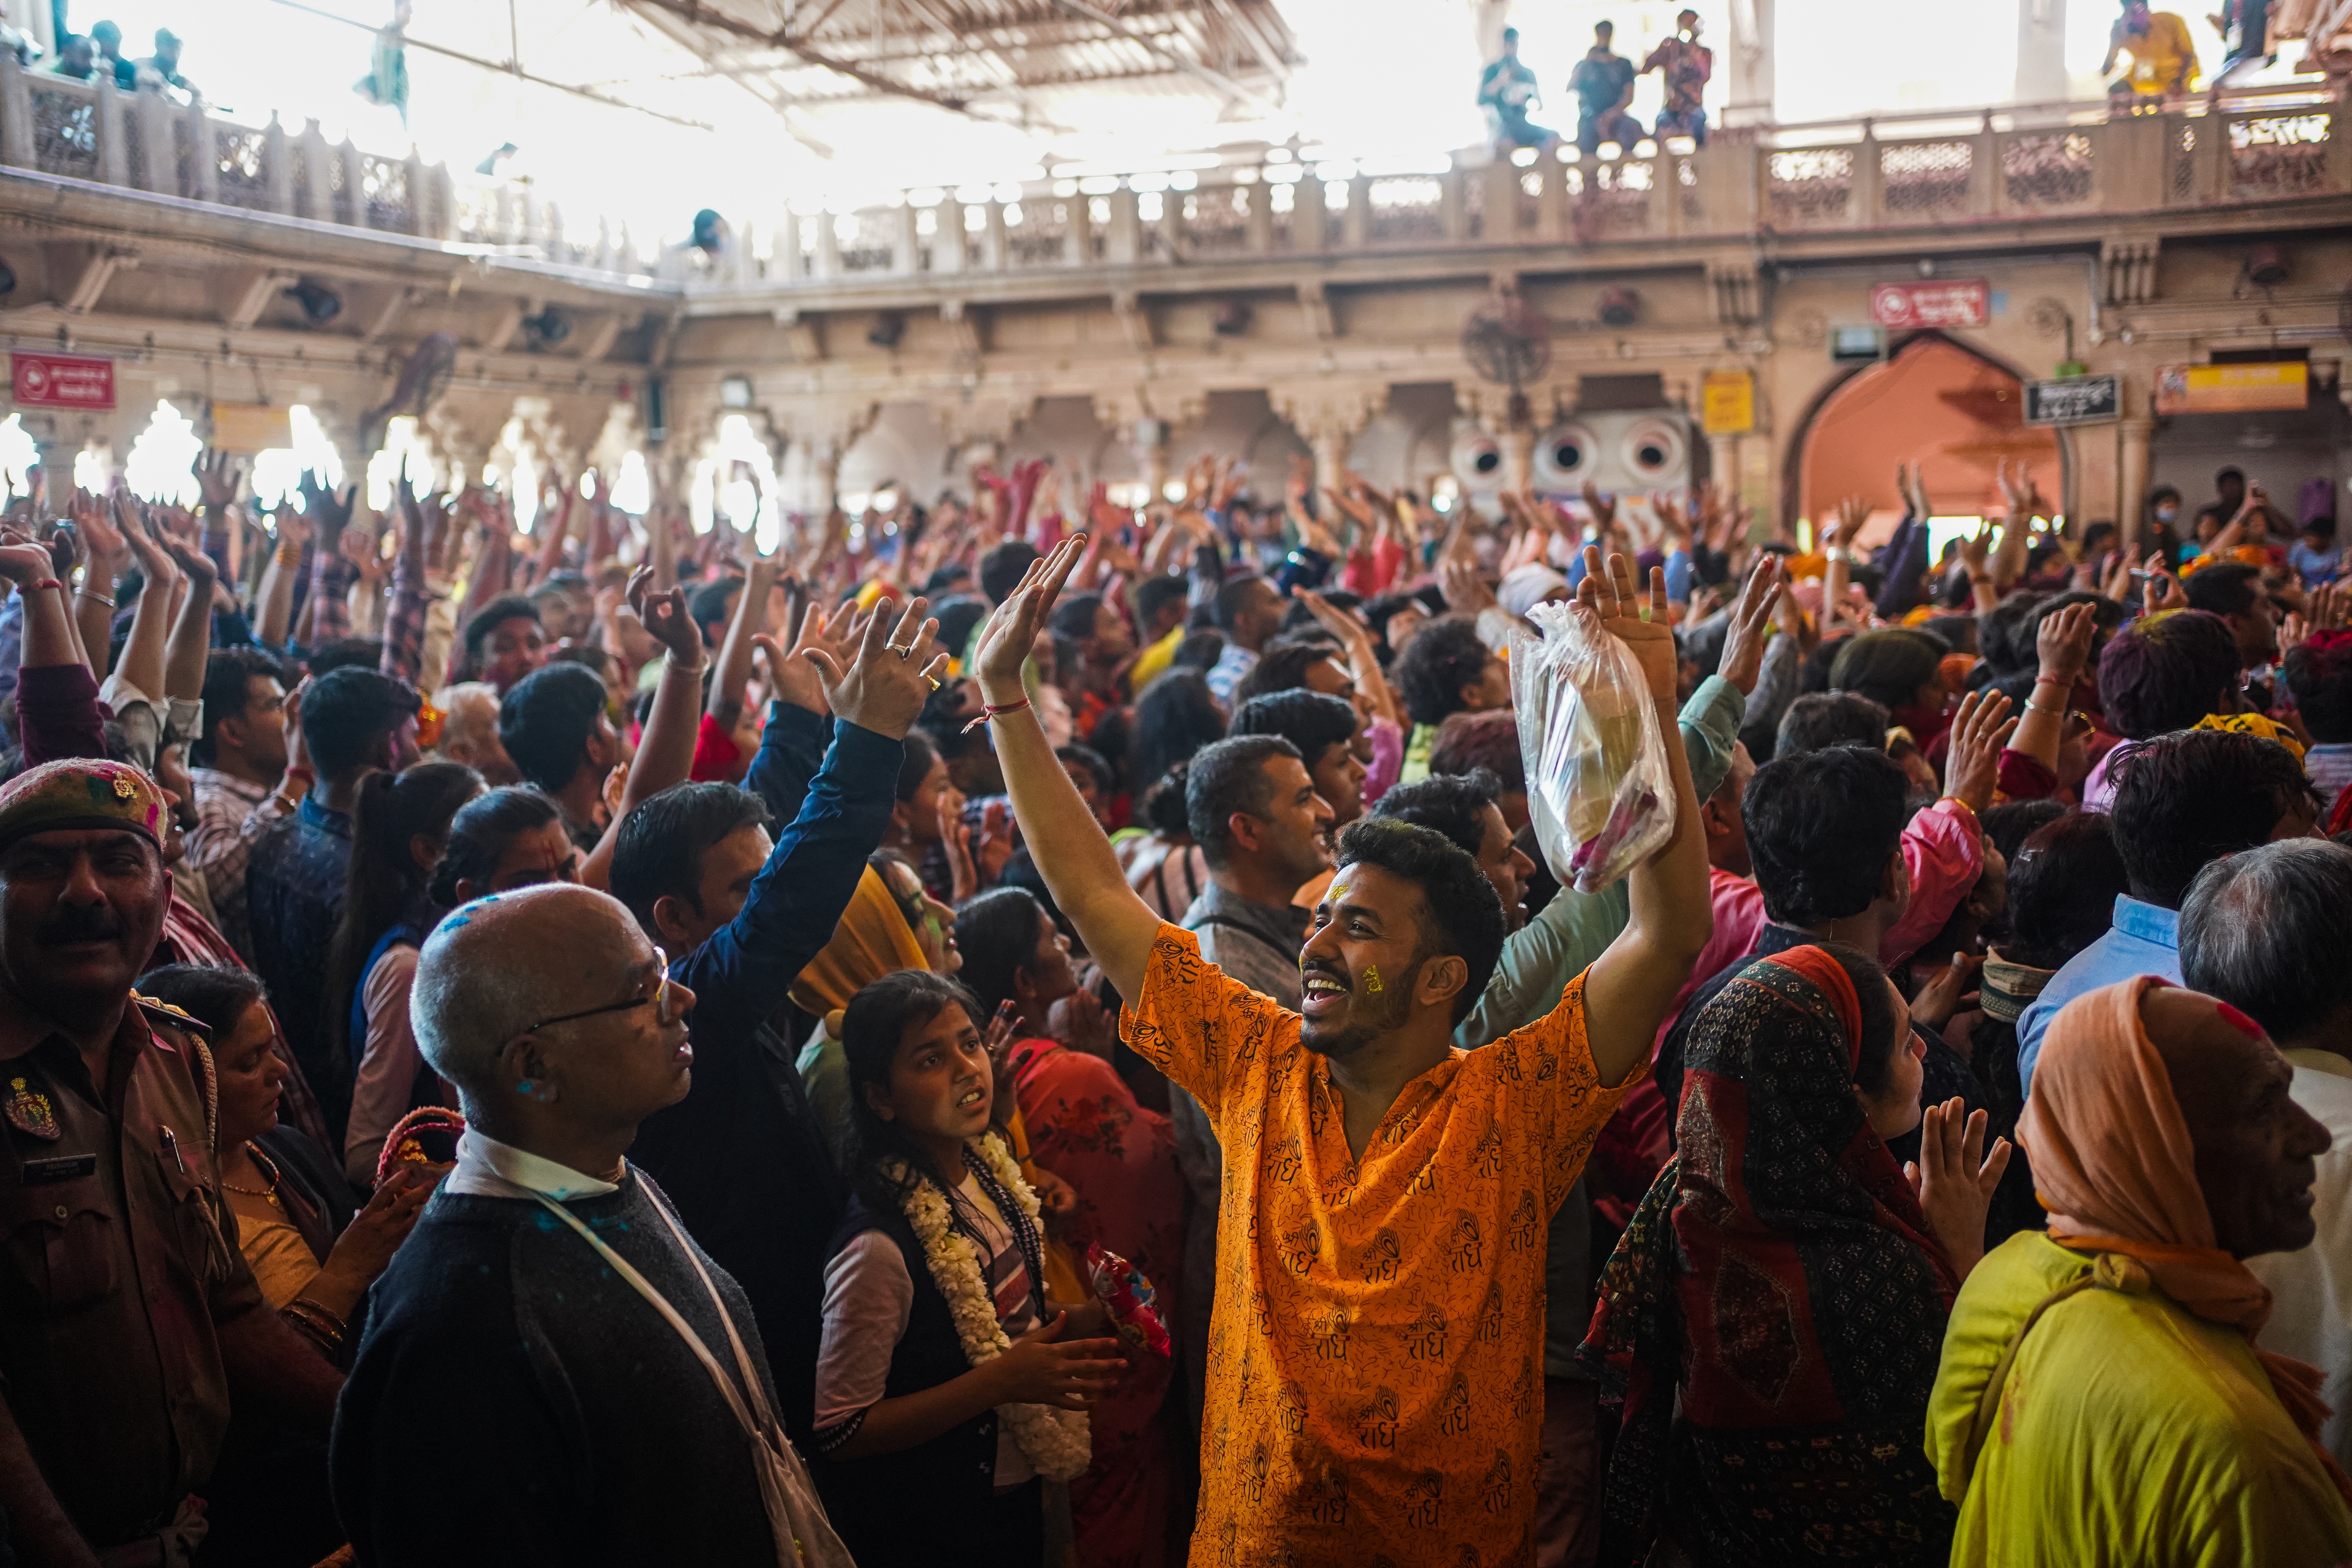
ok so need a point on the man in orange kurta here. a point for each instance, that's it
(1375, 1361)
(1376, 1384)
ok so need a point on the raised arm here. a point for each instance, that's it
(274, 616)
(1630, 987)
(404, 621)
(665, 755)
(108, 554)
(750, 622)
(191, 641)
(1063, 838)
(143, 654)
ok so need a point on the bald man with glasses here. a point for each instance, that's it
(583, 1381)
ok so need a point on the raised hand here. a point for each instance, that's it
(1743, 640)
(22, 560)
(329, 513)
(2163, 591)
(1973, 769)
(885, 687)
(153, 563)
(1603, 509)
(1013, 627)
(666, 618)
(2063, 644)
(1466, 586)
(218, 478)
(1610, 595)
(794, 675)
(1955, 1178)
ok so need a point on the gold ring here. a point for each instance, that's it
(934, 680)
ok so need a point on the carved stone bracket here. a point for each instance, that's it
(1328, 415)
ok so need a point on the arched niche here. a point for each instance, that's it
(1934, 399)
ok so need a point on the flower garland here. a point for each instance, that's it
(1057, 1441)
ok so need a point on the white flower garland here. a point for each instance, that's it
(1058, 1441)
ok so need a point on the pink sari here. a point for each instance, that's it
(1086, 1127)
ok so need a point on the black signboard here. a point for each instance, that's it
(2077, 400)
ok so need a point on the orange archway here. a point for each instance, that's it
(1932, 401)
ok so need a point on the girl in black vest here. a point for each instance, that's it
(946, 1390)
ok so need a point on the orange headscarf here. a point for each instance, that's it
(872, 940)
(2114, 1164)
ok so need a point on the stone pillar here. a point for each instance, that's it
(1327, 414)
(2131, 481)
(2041, 52)
(15, 116)
(1750, 37)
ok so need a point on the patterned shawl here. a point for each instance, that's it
(1781, 1278)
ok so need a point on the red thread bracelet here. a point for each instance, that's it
(990, 711)
(40, 583)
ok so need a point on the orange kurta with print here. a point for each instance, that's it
(1375, 1386)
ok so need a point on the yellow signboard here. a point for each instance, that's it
(248, 427)
(1727, 402)
(2232, 388)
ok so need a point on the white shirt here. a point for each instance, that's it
(484, 1165)
(2310, 1308)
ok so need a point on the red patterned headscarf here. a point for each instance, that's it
(1778, 1296)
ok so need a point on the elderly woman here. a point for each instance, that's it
(1770, 1320)
(2100, 1398)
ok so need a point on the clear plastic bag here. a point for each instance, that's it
(1599, 789)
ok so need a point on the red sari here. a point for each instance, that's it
(1086, 1127)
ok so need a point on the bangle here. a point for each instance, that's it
(670, 659)
(2057, 712)
(990, 711)
(101, 598)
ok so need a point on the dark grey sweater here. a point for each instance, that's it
(516, 1402)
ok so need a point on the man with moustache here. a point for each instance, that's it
(1375, 1358)
(129, 1320)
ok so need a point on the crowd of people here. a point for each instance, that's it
(2151, 61)
(99, 52)
(1603, 80)
(613, 1045)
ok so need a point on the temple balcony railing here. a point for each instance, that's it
(1942, 169)
(1934, 173)
(145, 142)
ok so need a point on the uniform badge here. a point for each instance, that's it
(30, 1111)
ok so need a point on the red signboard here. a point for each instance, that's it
(63, 381)
(1966, 304)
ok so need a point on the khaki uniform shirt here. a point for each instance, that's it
(117, 1260)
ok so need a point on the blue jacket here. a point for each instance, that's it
(742, 1156)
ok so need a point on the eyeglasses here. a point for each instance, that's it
(665, 1010)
